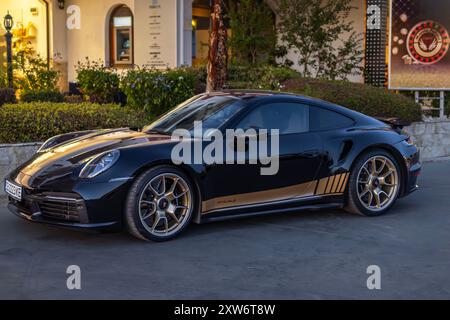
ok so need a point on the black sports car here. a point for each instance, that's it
(328, 157)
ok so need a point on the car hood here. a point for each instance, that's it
(60, 161)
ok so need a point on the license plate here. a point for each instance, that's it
(13, 190)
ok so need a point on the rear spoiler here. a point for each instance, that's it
(395, 123)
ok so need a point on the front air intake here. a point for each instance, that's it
(61, 208)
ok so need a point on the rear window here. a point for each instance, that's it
(322, 119)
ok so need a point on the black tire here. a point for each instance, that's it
(134, 223)
(353, 203)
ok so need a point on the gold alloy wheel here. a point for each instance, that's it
(165, 204)
(377, 183)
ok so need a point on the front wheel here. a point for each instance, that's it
(160, 204)
(374, 184)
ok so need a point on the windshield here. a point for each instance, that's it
(213, 111)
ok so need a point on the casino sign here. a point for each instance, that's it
(428, 42)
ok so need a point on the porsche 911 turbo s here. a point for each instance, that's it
(328, 157)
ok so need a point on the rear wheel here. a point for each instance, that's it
(160, 204)
(374, 184)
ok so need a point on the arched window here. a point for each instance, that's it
(121, 36)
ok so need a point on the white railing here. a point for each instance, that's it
(426, 108)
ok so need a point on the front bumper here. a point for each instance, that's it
(39, 218)
(83, 205)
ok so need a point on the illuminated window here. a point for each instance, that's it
(121, 36)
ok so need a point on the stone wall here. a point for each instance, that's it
(433, 139)
(12, 155)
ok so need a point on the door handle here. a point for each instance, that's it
(310, 154)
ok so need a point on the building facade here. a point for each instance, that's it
(126, 33)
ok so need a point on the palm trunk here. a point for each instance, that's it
(218, 53)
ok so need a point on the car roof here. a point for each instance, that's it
(247, 94)
(256, 96)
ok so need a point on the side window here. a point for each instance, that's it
(286, 117)
(323, 119)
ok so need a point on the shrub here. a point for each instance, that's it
(7, 95)
(33, 73)
(157, 91)
(28, 122)
(372, 101)
(41, 96)
(97, 83)
(260, 77)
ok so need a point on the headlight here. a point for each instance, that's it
(99, 164)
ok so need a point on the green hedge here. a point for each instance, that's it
(369, 100)
(27, 122)
(372, 101)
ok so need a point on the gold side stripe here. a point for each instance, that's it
(330, 184)
(341, 180)
(296, 191)
(333, 185)
(344, 185)
(344, 176)
(322, 186)
(337, 179)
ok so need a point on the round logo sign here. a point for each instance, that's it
(428, 42)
